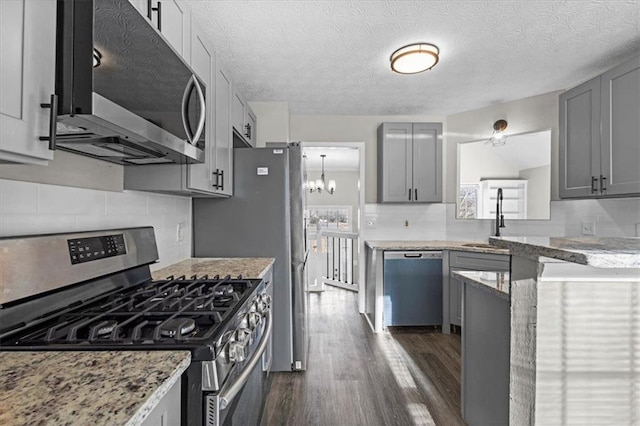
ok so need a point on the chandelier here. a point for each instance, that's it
(319, 184)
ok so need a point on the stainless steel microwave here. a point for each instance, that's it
(124, 94)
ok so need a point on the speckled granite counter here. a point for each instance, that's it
(84, 388)
(436, 245)
(596, 252)
(248, 267)
(495, 282)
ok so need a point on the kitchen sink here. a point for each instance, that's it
(478, 245)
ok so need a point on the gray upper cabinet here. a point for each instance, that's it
(600, 135)
(28, 46)
(621, 129)
(410, 162)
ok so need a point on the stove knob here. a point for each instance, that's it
(244, 335)
(238, 347)
(265, 298)
(254, 320)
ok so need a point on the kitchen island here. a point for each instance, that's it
(83, 388)
(575, 328)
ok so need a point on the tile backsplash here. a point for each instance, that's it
(28, 208)
(612, 218)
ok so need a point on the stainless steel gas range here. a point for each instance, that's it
(93, 291)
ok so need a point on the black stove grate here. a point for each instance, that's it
(156, 313)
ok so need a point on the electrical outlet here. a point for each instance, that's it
(371, 222)
(588, 228)
(406, 223)
(180, 232)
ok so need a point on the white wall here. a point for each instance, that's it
(613, 218)
(28, 208)
(272, 121)
(352, 128)
(538, 184)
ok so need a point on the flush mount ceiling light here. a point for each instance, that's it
(319, 184)
(414, 58)
(498, 137)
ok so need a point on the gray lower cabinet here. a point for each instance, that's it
(468, 261)
(600, 135)
(485, 357)
(410, 163)
(167, 411)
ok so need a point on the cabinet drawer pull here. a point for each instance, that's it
(53, 120)
(603, 179)
(594, 184)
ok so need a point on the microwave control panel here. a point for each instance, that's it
(83, 250)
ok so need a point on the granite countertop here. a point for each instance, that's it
(472, 246)
(495, 282)
(248, 267)
(84, 388)
(597, 252)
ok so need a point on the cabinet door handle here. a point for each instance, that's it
(158, 9)
(248, 131)
(594, 184)
(415, 198)
(217, 175)
(409, 194)
(603, 179)
(222, 179)
(53, 121)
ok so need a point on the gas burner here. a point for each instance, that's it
(223, 290)
(177, 327)
(106, 327)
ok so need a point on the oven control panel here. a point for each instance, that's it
(88, 249)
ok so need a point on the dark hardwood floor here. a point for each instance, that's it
(355, 377)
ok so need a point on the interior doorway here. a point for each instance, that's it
(334, 211)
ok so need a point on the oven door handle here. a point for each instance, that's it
(227, 394)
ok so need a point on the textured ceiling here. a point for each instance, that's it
(332, 57)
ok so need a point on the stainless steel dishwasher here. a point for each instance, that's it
(412, 288)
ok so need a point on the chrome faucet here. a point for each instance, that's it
(499, 215)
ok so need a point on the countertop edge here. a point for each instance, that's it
(433, 245)
(147, 407)
(481, 285)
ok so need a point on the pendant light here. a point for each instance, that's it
(319, 185)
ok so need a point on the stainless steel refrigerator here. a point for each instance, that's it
(264, 218)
